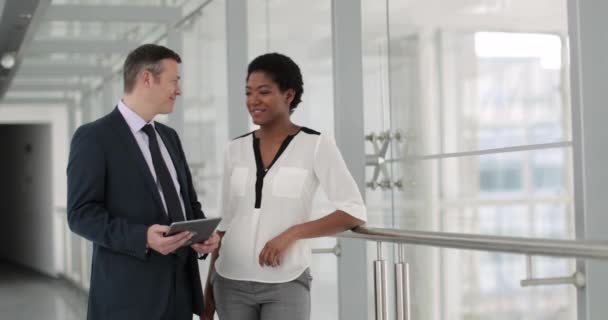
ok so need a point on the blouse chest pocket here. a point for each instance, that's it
(238, 181)
(288, 182)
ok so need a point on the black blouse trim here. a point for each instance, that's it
(261, 171)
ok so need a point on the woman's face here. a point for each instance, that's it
(266, 103)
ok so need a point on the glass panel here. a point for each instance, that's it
(436, 86)
(480, 285)
(377, 111)
(443, 81)
(497, 80)
(204, 97)
(499, 194)
(308, 42)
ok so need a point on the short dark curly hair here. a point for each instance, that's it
(283, 71)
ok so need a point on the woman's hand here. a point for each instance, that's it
(274, 250)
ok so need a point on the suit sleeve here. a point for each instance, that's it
(87, 215)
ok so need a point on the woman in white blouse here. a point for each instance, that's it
(270, 178)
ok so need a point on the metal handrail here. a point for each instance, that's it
(586, 249)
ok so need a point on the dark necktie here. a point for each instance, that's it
(164, 178)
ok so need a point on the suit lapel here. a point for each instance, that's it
(134, 152)
(179, 168)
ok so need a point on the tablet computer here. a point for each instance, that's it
(201, 229)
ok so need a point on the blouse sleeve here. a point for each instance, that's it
(335, 179)
(225, 207)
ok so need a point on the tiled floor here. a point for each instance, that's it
(26, 295)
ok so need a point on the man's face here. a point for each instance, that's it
(165, 87)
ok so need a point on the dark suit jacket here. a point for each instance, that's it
(112, 200)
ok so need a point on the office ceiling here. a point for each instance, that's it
(68, 47)
(18, 24)
(78, 43)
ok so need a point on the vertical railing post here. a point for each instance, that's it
(380, 285)
(402, 286)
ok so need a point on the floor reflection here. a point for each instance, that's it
(26, 295)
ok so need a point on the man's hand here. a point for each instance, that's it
(209, 245)
(157, 241)
(274, 250)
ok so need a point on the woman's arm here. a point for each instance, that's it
(336, 222)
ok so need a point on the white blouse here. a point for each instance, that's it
(258, 205)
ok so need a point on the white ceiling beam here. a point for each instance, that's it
(105, 13)
(47, 87)
(84, 46)
(62, 69)
(36, 101)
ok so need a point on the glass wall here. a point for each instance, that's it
(204, 101)
(466, 104)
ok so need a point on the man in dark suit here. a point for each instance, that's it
(128, 179)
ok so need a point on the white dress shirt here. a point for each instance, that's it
(255, 210)
(136, 123)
